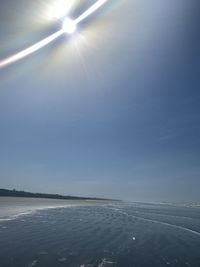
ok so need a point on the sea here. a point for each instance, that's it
(51, 233)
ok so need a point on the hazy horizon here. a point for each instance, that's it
(134, 200)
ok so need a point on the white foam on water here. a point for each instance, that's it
(105, 261)
(16, 216)
(158, 222)
(33, 263)
(165, 215)
(86, 265)
(13, 207)
(62, 259)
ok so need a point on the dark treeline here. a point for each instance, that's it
(16, 193)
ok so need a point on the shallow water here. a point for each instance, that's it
(13, 207)
(121, 235)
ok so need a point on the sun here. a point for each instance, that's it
(69, 26)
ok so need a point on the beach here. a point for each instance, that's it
(101, 234)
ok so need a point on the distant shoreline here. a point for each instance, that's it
(16, 193)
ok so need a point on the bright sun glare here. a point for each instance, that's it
(60, 8)
(69, 26)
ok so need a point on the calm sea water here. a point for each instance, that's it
(82, 234)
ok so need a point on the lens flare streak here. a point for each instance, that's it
(90, 10)
(52, 37)
(31, 49)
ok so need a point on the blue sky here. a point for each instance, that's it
(112, 111)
